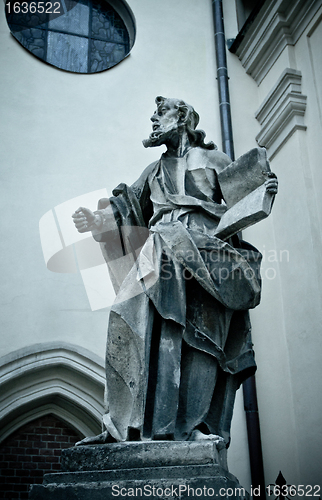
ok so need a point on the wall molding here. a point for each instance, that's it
(279, 23)
(52, 378)
(282, 112)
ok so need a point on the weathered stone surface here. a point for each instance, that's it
(136, 474)
(141, 469)
(132, 455)
(244, 175)
(255, 207)
(178, 343)
(171, 481)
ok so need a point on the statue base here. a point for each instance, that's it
(156, 469)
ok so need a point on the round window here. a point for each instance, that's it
(83, 36)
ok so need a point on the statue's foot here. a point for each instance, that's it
(103, 438)
(200, 436)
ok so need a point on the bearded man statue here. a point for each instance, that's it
(178, 343)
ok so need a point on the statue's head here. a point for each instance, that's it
(174, 116)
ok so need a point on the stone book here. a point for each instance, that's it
(244, 191)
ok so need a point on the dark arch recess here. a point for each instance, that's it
(32, 451)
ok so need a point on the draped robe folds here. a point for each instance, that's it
(178, 343)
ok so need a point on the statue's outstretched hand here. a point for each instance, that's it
(272, 183)
(83, 219)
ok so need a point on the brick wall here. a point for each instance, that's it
(31, 452)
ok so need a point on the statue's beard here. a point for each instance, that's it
(160, 136)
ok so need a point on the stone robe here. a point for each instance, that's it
(178, 343)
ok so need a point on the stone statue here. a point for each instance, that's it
(178, 344)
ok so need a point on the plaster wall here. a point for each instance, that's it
(287, 324)
(65, 135)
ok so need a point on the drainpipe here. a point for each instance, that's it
(222, 77)
(254, 436)
(249, 386)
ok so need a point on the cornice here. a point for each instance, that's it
(278, 24)
(282, 112)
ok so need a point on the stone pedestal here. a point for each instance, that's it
(148, 469)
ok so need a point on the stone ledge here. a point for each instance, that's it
(139, 473)
(157, 469)
(155, 482)
(142, 454)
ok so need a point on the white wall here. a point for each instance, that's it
(64, 135)
(287, 324)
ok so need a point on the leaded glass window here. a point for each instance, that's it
(84, 36)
